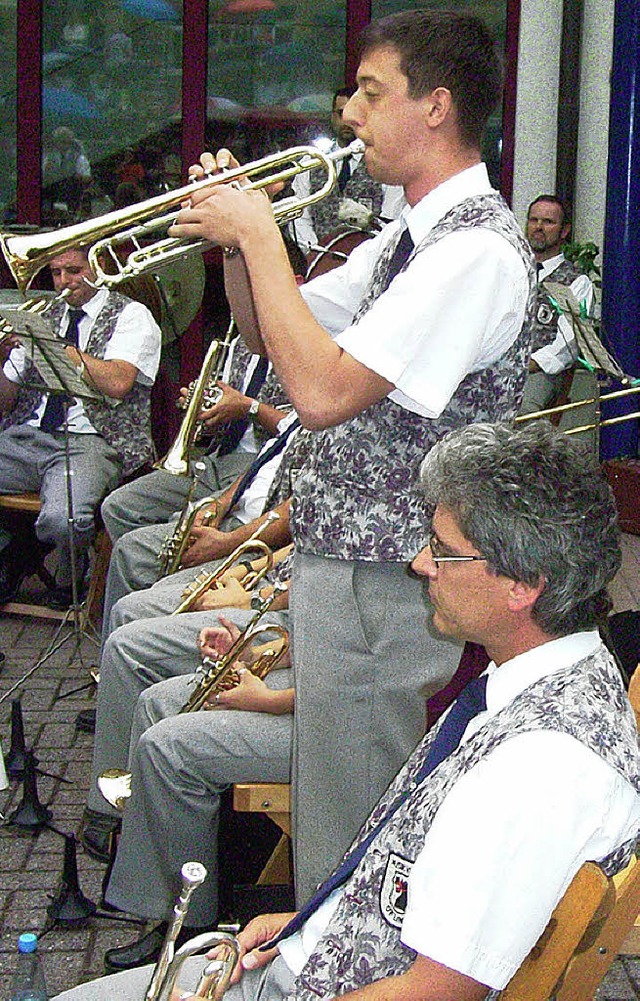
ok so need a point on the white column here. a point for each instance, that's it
(591, 172)
(537, 102)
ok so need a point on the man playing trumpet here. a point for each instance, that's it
(115, 345)
(425, 328)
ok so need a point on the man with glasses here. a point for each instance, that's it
(538, 757)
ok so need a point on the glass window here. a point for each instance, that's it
(494, 14)
(8, 176)
(273, 68)
(111, 104)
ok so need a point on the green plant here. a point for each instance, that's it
(583, 255)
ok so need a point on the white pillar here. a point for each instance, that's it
(591, 172)
(537, 102)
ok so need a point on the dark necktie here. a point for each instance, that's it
(399, 257)
(53, 414)
(538, 271)
(471, 701)
(261, 460)
(235, 429)
(345, 173)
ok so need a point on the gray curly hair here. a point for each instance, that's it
(535, 504)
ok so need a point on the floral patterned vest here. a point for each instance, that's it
(369, 505)
(127, 426)
(360, 188)
(545, 320)
(362, 942)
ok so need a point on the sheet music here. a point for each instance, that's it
(47, 352)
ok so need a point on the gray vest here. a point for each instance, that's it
(127, 426)
(545, 320)
(362, 942)
(360, 188)
(370, 506)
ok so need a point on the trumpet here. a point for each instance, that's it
(218, 675)
(197, 587)
(27, 255)
(211, 393)
(216, 975)
(176, 461)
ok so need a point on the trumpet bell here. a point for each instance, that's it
(115, 786)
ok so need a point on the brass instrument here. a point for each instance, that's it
(216, 975)
(219, 675)
(176, 461)
(211, 677)
(211, 394)
(27, 255)
(207, 578)
(174, 545)
(597, 400)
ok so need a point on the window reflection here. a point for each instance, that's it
(273, 68)
(111, 104)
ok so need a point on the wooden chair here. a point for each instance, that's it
(274, 800)
(29, 504)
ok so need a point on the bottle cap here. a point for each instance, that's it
(28, 942)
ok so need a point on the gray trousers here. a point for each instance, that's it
(137, 655)
(180, 765)
(158, 496)
(31, 459)
(366, 661)
(271, 983)
(540, 390)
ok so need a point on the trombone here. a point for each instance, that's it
(27, 255)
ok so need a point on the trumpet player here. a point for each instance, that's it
(234, 429)
(148, 644)
(425, 328)
(135, 583)
(180, 764)
(115, 345)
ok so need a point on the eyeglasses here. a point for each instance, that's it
(440, 555)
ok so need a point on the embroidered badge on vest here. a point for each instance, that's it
(393, 892)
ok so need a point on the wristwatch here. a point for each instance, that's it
(253, 409)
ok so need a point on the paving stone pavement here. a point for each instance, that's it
(31, 865)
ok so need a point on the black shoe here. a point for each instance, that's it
(96, 834)
(145, 950)
(86, 721)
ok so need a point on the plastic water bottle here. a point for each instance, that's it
(28, 980)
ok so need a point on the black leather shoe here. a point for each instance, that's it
(145, 950)
(86, 721)
(96, 834)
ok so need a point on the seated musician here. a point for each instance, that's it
(145, 642)
(115, 345)
(547, 773)
(234, 430)
(180, 763)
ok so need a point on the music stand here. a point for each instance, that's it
(60, 377)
